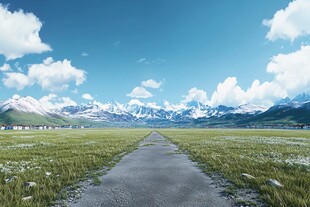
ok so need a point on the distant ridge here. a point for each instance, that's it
(29, 111)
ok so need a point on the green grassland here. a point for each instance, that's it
(67, 154)
(281, 155)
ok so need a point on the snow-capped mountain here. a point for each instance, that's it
(298, 100)
(136, 111)
(25, 104)
(283, 101)
(249, 109)
(96, 112)
(302, 98)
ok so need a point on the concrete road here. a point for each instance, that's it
(154, 175)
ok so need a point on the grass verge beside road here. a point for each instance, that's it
(264, 154)
(56, 159)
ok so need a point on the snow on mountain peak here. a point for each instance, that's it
(135, 102)
(24, 104)
(302, 98)
(249, 109)
(134, 110)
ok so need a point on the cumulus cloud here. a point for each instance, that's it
(151, 83)
(230, 93)
(16, 80)
(50, 75)
(52, 101)
(20, 34)
(195, 94)
(5, 67)
(87, 96)
(291, 22)
(292, 70)
(291, 77)
(140, 92)
(57, 75)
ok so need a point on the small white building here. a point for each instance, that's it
(2, 127)
(26, 127)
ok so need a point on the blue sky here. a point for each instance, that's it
(187, 47)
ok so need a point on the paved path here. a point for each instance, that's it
(153, 175)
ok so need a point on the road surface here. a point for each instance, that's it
(154, 175)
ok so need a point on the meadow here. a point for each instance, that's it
(277, 154)
(56, 159)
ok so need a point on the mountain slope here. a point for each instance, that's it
(23, 118)
(25, 104)
(284, 114)
(29, 111)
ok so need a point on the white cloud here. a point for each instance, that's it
(5, 67)
(292, 70)
(87, 96)
(16, 80)
(291, 77)
(290, 23)
(84, 54)
(151, 61)
(140, 92)
(195, 94)
(48, 61)
(55, 76)
(228, 93)
(52, 101)
(231, 94)
(20, 34)
(141, 60)
(151, 83)
(50, 75)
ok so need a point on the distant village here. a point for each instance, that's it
(46, 127)
(41, 127)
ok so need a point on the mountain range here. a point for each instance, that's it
(29, 111)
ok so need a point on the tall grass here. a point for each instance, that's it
(280, 155)
(67, 154)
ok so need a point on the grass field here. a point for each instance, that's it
(60, 158)
(280, 155)
(56, 159)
